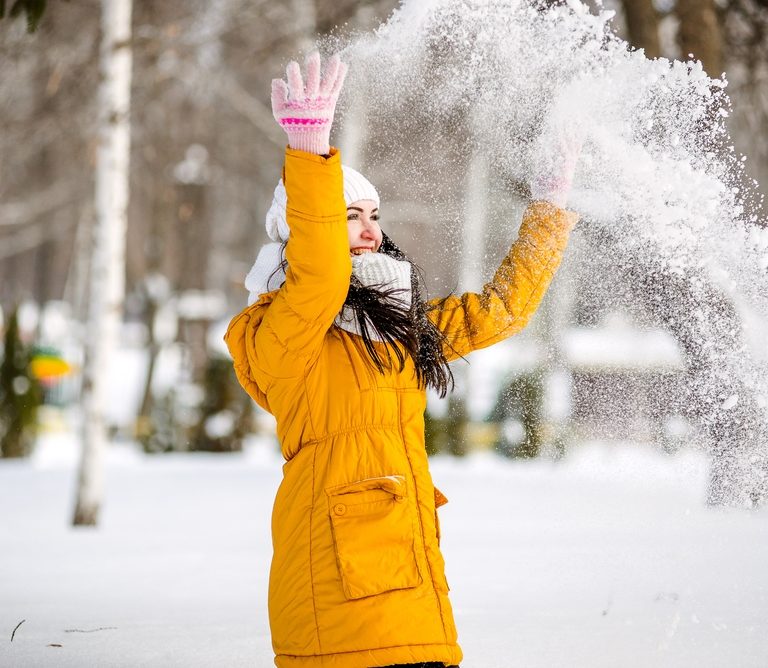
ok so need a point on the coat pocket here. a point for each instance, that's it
(373, 533)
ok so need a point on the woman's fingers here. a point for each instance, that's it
(294, 92)
(279, 94)
(330, 75)
(340, 76)
(313, 74)
(295, 82)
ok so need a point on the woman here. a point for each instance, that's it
(339, 345)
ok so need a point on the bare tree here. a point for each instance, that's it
(745, 29)
(642, 19)
(699, 33)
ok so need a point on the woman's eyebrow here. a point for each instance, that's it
(356, 208)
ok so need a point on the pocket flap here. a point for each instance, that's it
(394, 484)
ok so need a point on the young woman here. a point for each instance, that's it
(339, 345)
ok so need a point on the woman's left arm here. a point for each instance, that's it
(506, 303)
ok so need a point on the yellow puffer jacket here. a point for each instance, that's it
(357, 577)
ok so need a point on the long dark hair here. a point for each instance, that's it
(380, 316)
(406, 332)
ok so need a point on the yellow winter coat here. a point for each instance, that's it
(357, 577)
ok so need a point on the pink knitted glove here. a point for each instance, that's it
(306, 113)
(559, 154)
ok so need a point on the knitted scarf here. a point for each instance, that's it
(371, 270)
(384, 304)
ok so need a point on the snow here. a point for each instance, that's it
(606, 558)
(130, 364)
(220, 424)
(617, 346)
(665, 207)
(625, 348)
(201, 304)
(28, 316)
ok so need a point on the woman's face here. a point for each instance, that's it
(363, 227)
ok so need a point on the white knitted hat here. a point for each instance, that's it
(356, 188)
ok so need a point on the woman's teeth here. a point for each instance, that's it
(360, 251)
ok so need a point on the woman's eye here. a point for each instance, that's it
(375, 217)
(352, 216)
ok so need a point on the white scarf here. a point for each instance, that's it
(371, 269)
(380, 271)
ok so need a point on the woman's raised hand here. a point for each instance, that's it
(304, 109)
(559, 151)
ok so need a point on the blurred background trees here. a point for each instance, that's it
(205, 156)
(205, 148)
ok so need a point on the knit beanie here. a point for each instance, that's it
(356, 188)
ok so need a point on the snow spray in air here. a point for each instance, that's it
(665, 206)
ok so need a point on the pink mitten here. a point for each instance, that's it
(306, 113)
(560, 152)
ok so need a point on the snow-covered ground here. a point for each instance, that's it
(606, 559)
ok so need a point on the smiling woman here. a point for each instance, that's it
(340, 345)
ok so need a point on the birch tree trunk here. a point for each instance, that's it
(473, 232)
(470, 280)
(557, 378)
(105, 306)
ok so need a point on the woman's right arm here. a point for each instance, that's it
(292, 330)
(319, 266)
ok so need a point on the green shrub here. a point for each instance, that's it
(20, 394)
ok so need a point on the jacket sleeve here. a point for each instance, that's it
(508, 301)
(319, 266)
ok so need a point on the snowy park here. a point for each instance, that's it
(357, 333)
(607, 559)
